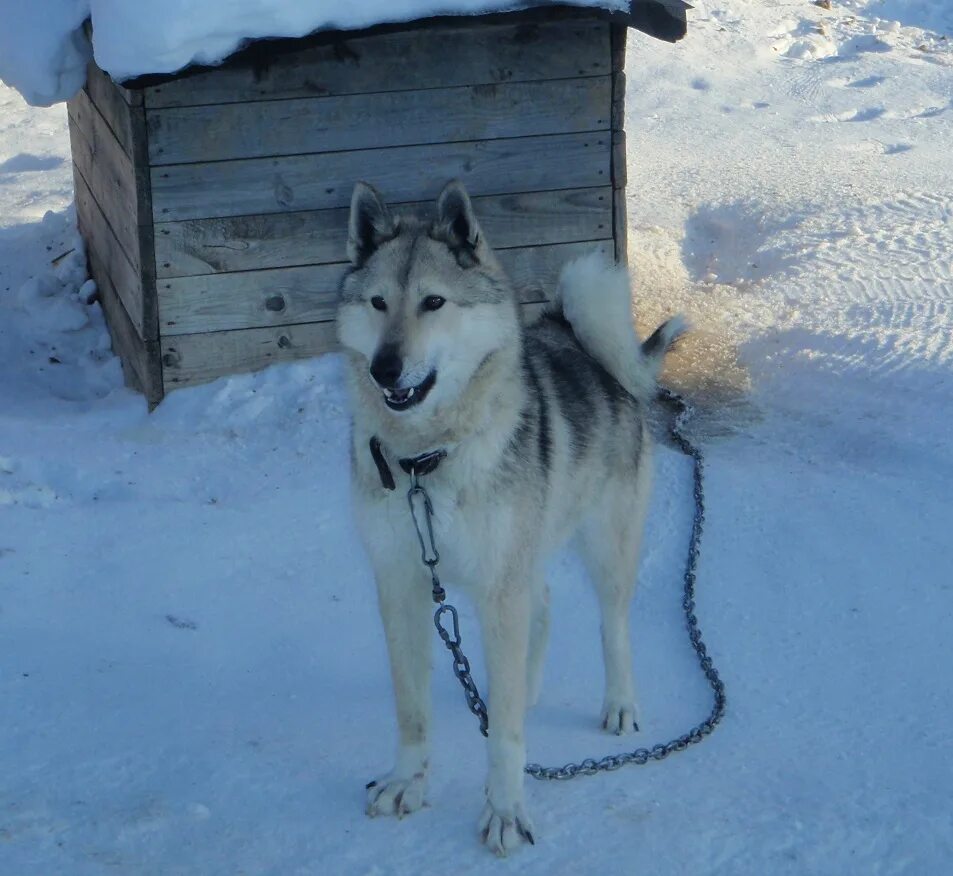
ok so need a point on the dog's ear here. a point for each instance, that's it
(370, 224)
(457, 226)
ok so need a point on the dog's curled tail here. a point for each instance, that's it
(595, 297)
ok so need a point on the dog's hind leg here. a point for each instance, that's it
(404, 596)
(538, 638)
(610, 539)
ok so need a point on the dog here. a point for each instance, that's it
(545, 437)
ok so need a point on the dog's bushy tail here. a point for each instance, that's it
(595, 297)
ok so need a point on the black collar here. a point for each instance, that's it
(423, 464)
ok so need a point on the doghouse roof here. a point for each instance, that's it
(44, 48)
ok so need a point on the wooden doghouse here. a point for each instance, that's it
(214, 202)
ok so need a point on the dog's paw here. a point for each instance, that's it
(502, 831)
(620, 717)
(393, 795)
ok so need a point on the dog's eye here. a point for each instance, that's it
(378, 303)
(433, 302)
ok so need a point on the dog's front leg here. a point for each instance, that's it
(404, 597)
(504, 618)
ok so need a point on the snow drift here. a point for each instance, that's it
(44, 49)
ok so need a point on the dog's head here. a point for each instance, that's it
(425, 303)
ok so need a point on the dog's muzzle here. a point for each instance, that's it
(407, 397)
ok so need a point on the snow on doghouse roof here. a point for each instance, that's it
(44, 48)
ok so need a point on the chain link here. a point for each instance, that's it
(419, 501)
(461, 666)
(418, 498)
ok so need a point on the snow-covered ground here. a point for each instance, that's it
(191, 670)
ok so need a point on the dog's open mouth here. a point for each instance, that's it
(402, 399)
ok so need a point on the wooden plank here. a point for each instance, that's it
(433, 57)
(220, 302)
(292, 296)
(109, 99)
(619, 171)
(405, 173)
(620, 230)
(101, 240)
(198, 358)
(618, 101)
(102, 160)
(619, 158)
(120, 186)
(620, 226)
(107, 170)
(371, 121)
(190, 359)
(618, 36)
(278, 240)
(534, 270)
(140, 359)
(146, 232)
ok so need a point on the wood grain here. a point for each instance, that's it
(291, 296)
(107, 170)
(406, 173)
(140, 359)
(277, 240)
(433, 57)
(371, 121)
(198, 358)
(120, 185)
(111, 103)
(101, 240)
(190, 359)
(620, 230)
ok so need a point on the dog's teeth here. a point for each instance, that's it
(410, 392)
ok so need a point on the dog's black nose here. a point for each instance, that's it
(387, 367)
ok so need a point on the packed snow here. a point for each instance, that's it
(44, 47)
(193, 676)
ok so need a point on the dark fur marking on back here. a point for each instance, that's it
(544, 437)
(521, 436)
(573, 379)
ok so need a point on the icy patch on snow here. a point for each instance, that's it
(704, 365)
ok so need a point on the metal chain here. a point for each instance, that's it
(418, 499)
(461, 666)
(699, 731)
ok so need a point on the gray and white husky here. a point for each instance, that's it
(545, 438)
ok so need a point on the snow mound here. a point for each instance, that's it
(44, 51)
(53, 339)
